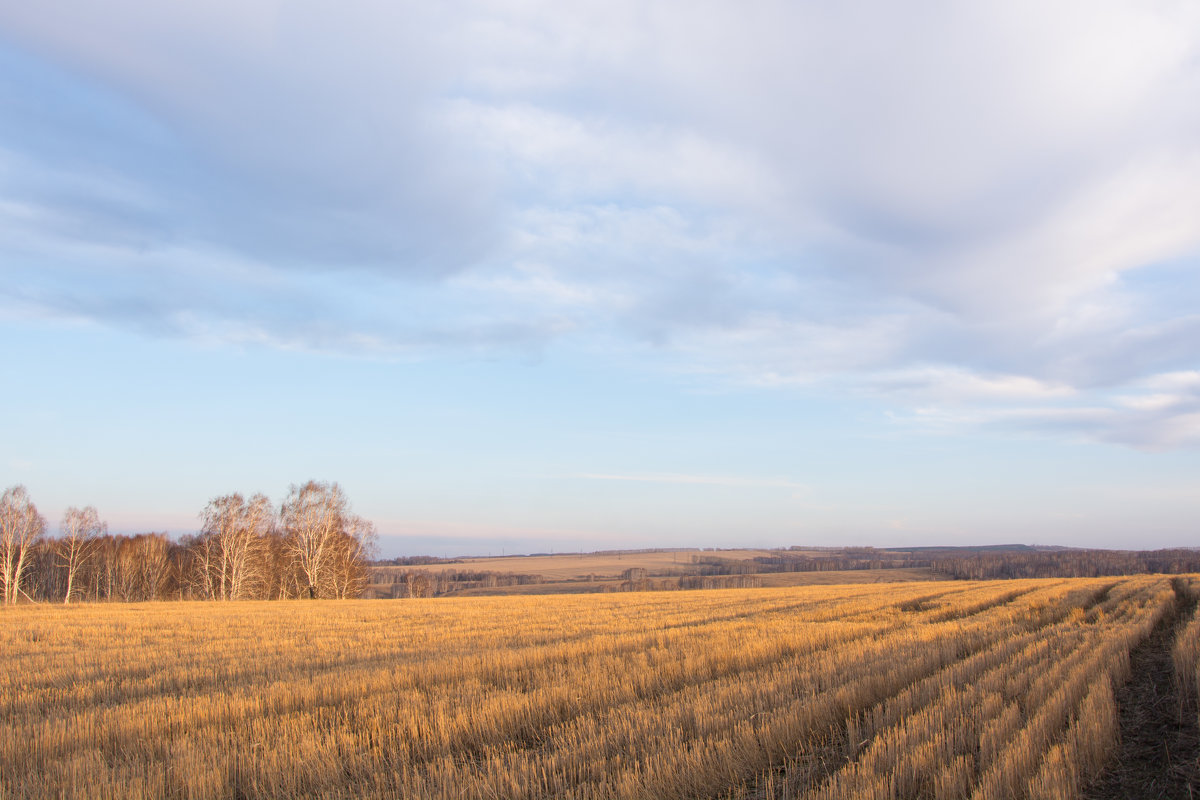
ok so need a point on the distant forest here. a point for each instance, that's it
(971, 563)
(1066, 563)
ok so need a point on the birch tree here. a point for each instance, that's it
(106, 568)
(81, 530)
(312, 517)
(203, 573)
(21, 527)
(152, 558)
(355, 547)
(247, 554)
(126, 568)
(326, 542)
(233, 545)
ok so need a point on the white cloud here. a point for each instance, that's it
(572, 157)
(962, 207)
(1151, 402)
(958, 385)
(1148, 418)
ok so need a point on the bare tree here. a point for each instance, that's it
(247, 553)
(81, 531)
(204, 575)
(152, 556)
(125, 577)
(182, 568)
(312, 517)
(233, 543)
(281, 572)
(107, 550)
(21, 527)
(325, 541)
(354, 547)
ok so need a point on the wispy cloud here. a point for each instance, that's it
(700, 480)
(1156, 413)
(959, 385)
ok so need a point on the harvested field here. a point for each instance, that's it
(778, 579)
(945, 689)
(644, 570)
(837, 577)
(573, 566)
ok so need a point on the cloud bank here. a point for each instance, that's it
(984, 215)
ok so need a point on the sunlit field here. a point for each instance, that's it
(944, 690)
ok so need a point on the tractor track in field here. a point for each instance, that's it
(1158, 755)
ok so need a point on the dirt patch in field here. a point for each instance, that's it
(1159, 738)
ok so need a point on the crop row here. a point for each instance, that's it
(948, 689)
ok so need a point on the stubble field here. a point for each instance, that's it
(945, 690)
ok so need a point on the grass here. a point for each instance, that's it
(941, 689)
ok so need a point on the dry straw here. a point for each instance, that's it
(946, 690)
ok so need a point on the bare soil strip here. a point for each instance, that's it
(1159, 746)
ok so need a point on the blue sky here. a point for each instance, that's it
(532, 276)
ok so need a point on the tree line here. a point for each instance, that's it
(844, 560)
(1067, 563)
(406, 583)
(387, 582)
(311, 546)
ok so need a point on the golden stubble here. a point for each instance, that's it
(943, 689)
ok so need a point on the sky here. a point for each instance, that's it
(529, 276)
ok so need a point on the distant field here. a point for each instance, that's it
(570, 566)
(575, 573)
(825, 578)
(947, 690)
(832, 577)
